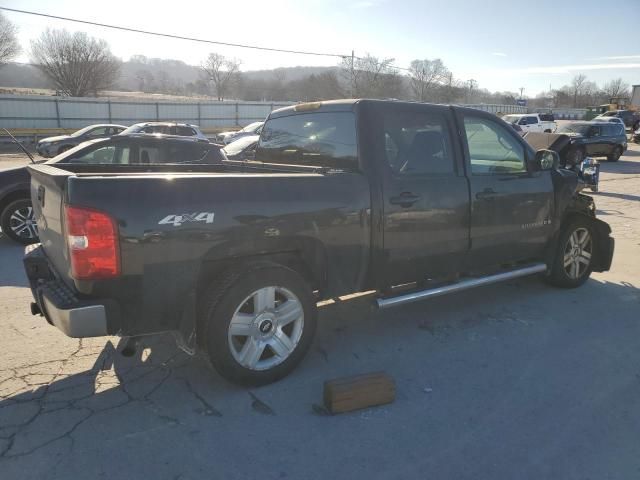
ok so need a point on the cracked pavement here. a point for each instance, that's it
(517, 380)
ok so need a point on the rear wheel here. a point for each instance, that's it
(259, 323)
(615, 156)
(18, 222)
(573, 261)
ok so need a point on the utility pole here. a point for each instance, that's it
(353, 56)
(521, 90)
(471, 84)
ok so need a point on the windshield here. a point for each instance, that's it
(252, 127)
(511, 118)
(581, 128)
(239, 145)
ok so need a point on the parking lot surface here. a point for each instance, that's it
(511, 381)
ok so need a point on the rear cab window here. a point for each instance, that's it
(319, 139)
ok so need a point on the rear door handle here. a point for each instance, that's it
(405, 199)
(487, 194)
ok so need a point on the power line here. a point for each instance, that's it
(169, 35)
(194, 39)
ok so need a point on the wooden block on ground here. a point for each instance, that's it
(360, 391)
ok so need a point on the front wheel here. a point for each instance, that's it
(615, 156)
(259, 323)
(573, 261)
(18, 223)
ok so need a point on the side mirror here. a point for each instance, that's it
(546, 160)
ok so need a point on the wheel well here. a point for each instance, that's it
(313, 274)
(15, 195)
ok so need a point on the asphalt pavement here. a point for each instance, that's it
(510, 381)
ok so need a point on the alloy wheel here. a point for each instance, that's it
(577, 253)
(23, 223)
(266, 328)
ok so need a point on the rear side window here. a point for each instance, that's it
(185, 131)
(182, 152)
(417, 143)
(315, 139)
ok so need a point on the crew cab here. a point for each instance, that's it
(531, 122)
(411, 200)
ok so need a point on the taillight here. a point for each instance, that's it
(92, 238)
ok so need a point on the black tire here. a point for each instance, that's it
(575, 157)
(615, 156)
(235, 291)
(561, 274)
(10, 222)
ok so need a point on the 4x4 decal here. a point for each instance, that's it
(177, 220)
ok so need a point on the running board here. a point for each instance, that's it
(459, 286)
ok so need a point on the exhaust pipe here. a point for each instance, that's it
(459, 286)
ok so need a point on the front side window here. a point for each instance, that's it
(417, 143)
(314, 139)
(97, 132)
(493, 149)
(532, 120)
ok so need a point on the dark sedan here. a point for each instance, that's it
(52, 146)
(122, 151)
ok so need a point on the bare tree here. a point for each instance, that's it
(369, 76)
(222, 72)
(577, 87)
(76, 64)
(9, 46)
(425, 74)
(616, 88)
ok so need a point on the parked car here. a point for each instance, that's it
(343, 196)
(167, 128)
(595, 139)
(630, 118)
(252, 129)
(531, 122)
(616, 120)
(52, 146)
(128, 151)
(243, 148)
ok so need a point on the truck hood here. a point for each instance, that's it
(55, 139)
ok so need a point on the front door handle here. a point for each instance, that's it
(405, 199)
(487, 194)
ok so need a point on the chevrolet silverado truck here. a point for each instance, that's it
(411, 200)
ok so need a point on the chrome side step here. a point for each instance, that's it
(459, 286)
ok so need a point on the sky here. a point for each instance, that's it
(502, 44)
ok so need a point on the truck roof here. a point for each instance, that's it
(348, 105)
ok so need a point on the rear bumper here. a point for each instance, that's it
(60, 305)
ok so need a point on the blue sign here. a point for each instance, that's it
(521, 102)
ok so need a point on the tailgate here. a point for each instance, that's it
(47, 196)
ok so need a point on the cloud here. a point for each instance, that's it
(564, 69)
(498, 54)
(619, 57)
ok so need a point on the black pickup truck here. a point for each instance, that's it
(412, 200)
